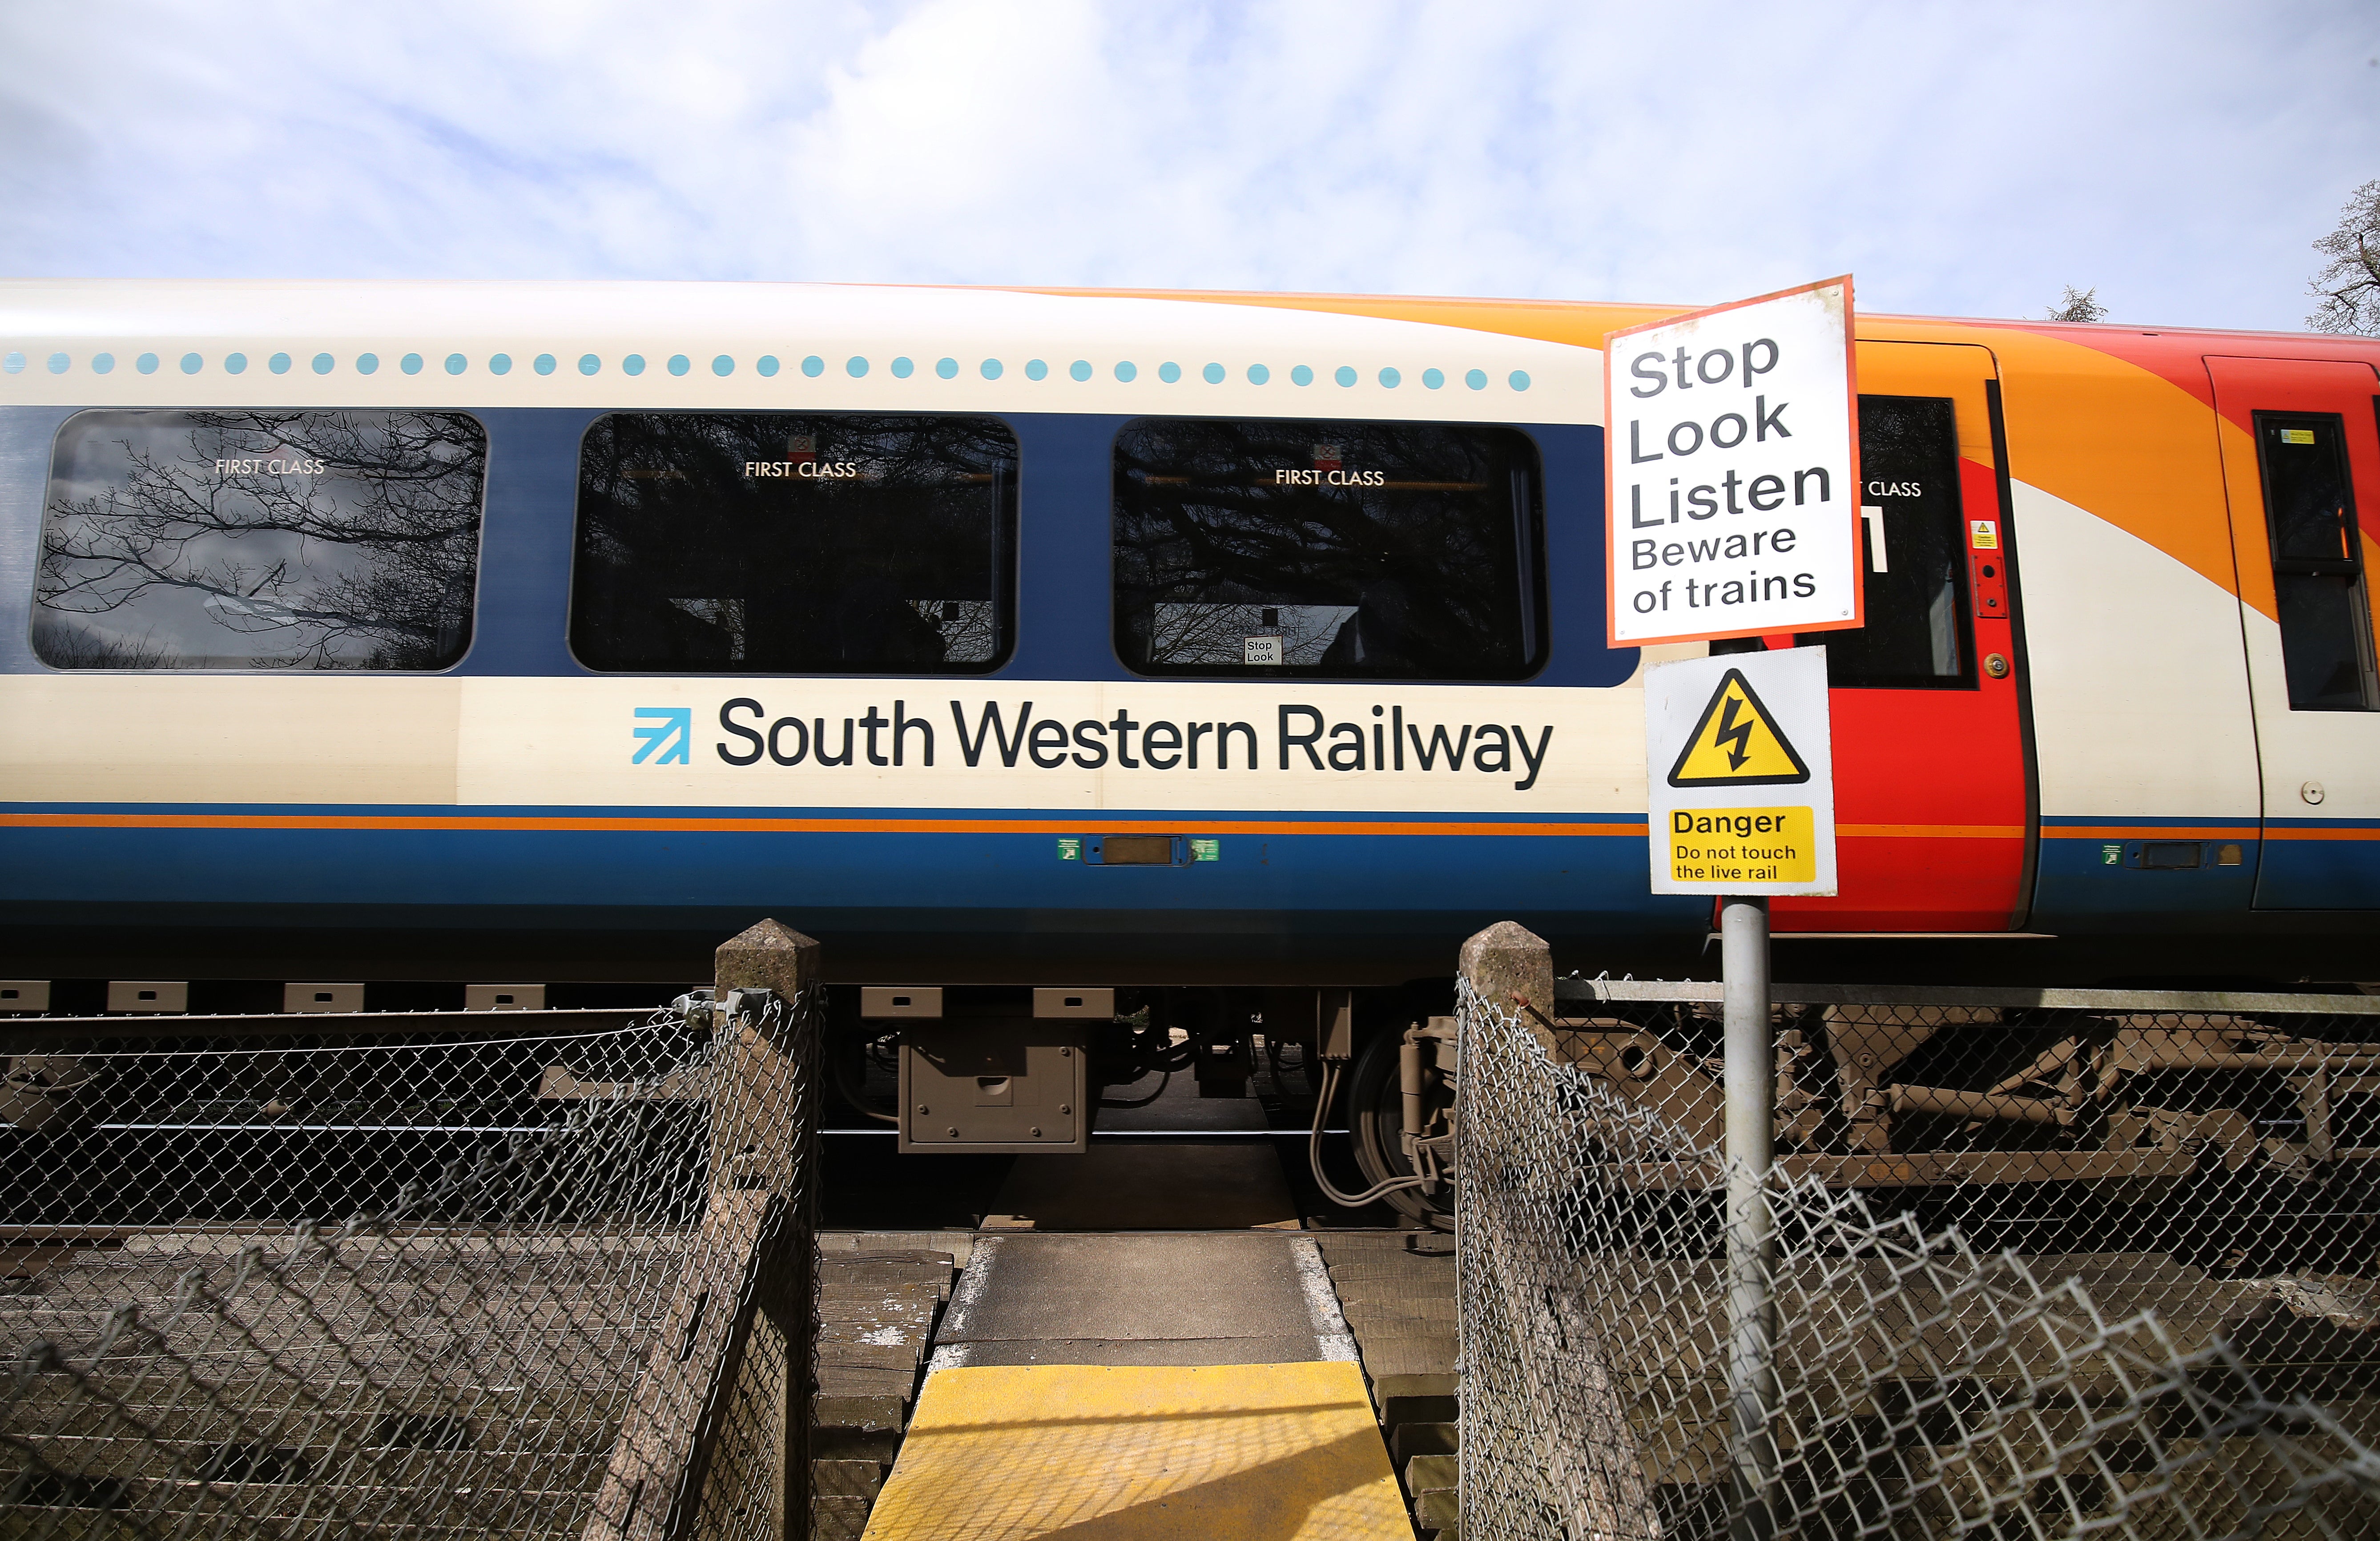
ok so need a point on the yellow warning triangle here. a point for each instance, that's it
(1737, 742)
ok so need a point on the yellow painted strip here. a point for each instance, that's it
(1002, 1452)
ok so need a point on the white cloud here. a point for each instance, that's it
(1957, 159)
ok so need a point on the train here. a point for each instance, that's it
(1154, 641)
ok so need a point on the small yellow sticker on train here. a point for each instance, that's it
(2297, 436)
(1737, 742)
(1984, 535)
(1744, 845)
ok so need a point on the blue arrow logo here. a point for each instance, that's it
(668, 729)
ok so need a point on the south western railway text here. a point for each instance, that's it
(1300, 737)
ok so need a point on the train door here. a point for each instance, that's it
(2302, 472)
(1931, 794)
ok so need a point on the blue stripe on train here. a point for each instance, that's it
(2321, 874)
(1001, 877)
(2091, 881)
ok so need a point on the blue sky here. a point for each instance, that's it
(1958, 159)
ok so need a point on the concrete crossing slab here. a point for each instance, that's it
(1200, 1298)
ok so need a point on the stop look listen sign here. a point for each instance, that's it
(1732, 470)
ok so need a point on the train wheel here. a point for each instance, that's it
(1376, 1121)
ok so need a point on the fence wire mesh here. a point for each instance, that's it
(451, 1286)
(2064, 1263)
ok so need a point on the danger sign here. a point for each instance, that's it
(1737, 742)
(1732, 470)
(1740, 762)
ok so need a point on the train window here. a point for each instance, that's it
(1328, 550)
(772, 542)
(1916, 634)
(260, 540)
(2317, 562)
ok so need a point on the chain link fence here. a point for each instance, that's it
(2046, 1264)
(472, 1286)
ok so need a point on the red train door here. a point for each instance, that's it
(2302, 469)
(1931, 796)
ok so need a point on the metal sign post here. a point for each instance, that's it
(1751, 1229)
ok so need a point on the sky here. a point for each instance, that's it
(1957, 159)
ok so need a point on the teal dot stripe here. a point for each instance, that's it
(724, 365)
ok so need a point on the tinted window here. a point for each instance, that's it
(1916, 634)
(260, 540)
(768, 543)
(1327, 550)
(2317, 560)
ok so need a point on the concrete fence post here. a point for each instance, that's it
(714, 1429)
(1507, 965)
(1587, 1451)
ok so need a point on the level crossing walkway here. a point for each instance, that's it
(1106, 1388)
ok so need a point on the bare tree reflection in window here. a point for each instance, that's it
(268, 539)
(1220, 634)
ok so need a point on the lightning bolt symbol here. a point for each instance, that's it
(1734, 735)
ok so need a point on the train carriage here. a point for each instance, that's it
(1007, 637)
(1113, 635)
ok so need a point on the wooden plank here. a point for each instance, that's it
(841, 1381)
(869, 1356)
